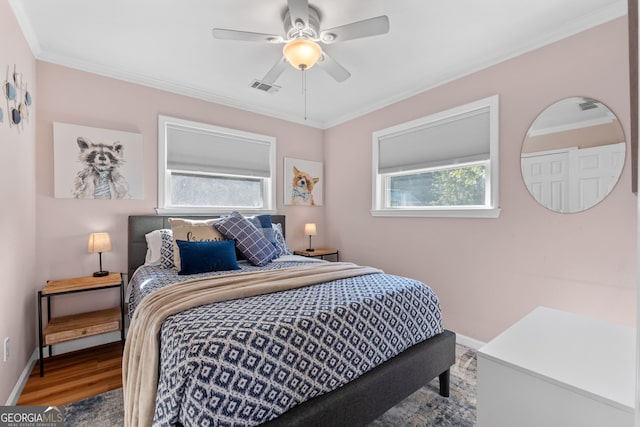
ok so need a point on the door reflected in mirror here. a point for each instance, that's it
(573, 154)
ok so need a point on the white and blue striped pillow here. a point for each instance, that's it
(166, 249)
(279, 242)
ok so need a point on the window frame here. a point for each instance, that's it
(164, 174)
(491, 210)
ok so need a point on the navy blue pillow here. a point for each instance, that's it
(263, 223)
(205, 256)
(263, 220)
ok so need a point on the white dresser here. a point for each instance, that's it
(554, 368)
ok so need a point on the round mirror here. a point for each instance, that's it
(573, 154)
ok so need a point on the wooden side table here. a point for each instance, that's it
(319, 253)
(75, 326)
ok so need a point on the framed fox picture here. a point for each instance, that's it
(303, 182)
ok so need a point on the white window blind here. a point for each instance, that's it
(195, 150)
(453, 140)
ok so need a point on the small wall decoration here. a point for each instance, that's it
(94, 163)
(18, 99)
(302, 182)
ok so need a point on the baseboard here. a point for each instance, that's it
(61, 348)
(12, 400)
(469, 342)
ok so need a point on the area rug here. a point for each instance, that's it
(424, 408)
(103, 410)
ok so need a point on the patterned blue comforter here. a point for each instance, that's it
(244, 362)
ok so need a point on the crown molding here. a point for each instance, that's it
(164, 85)
(578, 25)
(26, 27)
(582, 23)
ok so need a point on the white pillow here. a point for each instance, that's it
(154, 243)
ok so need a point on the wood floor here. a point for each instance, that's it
(74, 376)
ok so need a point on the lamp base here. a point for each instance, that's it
(310, 250)
(100, 273)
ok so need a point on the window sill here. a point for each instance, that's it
(211, 211)
(439, 213)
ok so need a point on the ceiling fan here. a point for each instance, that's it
(302, 38)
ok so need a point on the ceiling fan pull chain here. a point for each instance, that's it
(304, 92)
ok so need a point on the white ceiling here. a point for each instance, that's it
(167, 44)
(567, 114)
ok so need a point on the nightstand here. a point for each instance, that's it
(75, 326)
(319, 253)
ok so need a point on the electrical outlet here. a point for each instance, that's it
(6, 349)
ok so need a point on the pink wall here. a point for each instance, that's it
(63, 225)
(488, 272)
(491, 272)
(17, 192)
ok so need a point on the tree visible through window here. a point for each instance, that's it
(450, 187)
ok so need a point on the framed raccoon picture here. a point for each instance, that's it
(95, 163)
(303, 182)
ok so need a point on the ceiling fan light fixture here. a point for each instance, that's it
(302, 53)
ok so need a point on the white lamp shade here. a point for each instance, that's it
(310, 230)
(302, 53)
(99, 242)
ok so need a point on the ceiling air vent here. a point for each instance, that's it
(264, 87)
(589, 104)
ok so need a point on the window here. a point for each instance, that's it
(445, 164)
(206, 168)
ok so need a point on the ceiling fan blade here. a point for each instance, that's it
(273, 74)
(224, 34)
(366, 28)
(334, 69)
(299, 12)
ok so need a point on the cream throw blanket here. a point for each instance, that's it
(141, 353)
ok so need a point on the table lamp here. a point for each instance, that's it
(99, 242)
(310, 230)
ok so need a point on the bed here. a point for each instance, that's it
(354, 402)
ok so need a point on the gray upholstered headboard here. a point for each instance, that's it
(139, 225)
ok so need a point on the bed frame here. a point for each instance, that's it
(360, 401)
